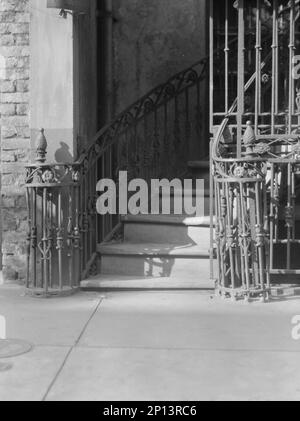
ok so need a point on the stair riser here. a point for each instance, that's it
(160, 233)
(172, 207)
(156, 267)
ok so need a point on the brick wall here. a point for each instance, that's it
(14, 132)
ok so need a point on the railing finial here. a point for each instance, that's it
(41, 146)
(249, 138)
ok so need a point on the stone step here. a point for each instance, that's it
(201, 221)
(188, 193)
(175, 233)
(155, 260)
(125, 283)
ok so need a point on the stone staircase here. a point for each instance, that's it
(158, 251)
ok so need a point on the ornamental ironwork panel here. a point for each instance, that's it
(255, 159)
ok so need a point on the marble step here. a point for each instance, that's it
(154, 259)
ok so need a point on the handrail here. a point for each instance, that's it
(144, 105)
(224, 123)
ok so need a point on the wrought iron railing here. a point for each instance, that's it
(255, 170)
(153, 138)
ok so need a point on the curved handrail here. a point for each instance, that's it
(155, 98)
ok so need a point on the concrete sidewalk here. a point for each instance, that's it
(150, 346)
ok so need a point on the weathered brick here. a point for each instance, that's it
(15, 265)
(22, 109)
(14, 5)
(8, 132)
(20, 201)
(7, 86)
(14, 121)
(21, 155)
(13, 179)
(15, 143)
(14, 17)
(17, 73)
(22, 39)
(17, 62)
(7, 40)
(4, 28)
(9, 220)
(23, 131)
(7, 201)
(7, 109)
(15, 97)
(13, 51)
(16, 28)
(8, 156)
(15, 132)
(15, 155)
(14, 243)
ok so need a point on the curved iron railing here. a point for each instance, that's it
(150, 139)
(255, 169)
(255, 202)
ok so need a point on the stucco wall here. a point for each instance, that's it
(154, 39)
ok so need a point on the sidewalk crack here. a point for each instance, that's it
(71, 349)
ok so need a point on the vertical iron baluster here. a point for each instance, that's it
(274, 107)
(34, 236)
(166, 138)
(258, 48)
(245, 247)
(259, 235)
(211, 63)
(241, 65)
(291, 66)
(28, 245)
(187, 124)
(293, 200)
(226, 52)
(276, 202)
(59, 240)
(85, 218)
(289, 216)
(91, 210)
(70, 235)
(230, 237)
(101, 217)
(77, 235)
(272, 217)
(251, 206)
(95, 225)
(240, 233)
(44, 241)
(211, 212)
(156, 145)
(220, 235)
(50, 236)
(266, 233)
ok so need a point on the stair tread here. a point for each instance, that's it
(124, 282)
(202, 221)
(153, 249)
(187, 192)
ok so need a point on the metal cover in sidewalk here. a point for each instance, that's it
(13, 347)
